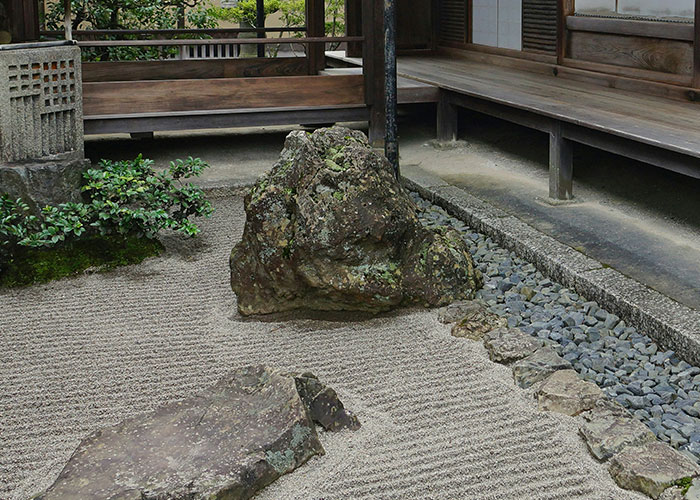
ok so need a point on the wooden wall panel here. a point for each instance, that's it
(24, 19)
(117, 98)
(190, 69)
(540, 26)
(413, 24)
(453, 22)
(667, 56)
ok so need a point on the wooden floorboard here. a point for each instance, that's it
(663, 123)
(652, 120)
(409, 91)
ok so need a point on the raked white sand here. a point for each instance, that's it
(439, 419)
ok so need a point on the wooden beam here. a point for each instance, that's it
(210, 41)
(188, 69)
(316, 27)
(650, 29)
(696, 47)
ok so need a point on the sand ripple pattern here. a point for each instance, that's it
(440, 420)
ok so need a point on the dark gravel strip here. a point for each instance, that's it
(658, 387)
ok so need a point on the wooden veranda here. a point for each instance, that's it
(625, 84)
(217, 87)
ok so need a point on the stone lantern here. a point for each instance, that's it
(41, 119)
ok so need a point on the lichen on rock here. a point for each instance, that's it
(330, 228)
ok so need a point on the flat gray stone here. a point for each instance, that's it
(609, 428)
(43, 183)
(651, 468)
(538, 366)
(507, 345)
(565, 392)
(673, 493)
(693, 492)
(477, 322)
(458, 310)
(229, 442)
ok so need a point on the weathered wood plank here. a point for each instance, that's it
(227, 93)
(649, 29)
(190, 120)
(647, 119)
(668, 56)
(190, 69)
(409, 91)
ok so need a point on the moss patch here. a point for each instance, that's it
(39, 265)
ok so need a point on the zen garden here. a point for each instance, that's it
(325, 249)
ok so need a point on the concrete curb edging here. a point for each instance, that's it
(667, 322)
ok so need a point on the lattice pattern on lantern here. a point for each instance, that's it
(43, 100)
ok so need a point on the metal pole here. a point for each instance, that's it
(260, 23)
(391, 143)
(67, 21)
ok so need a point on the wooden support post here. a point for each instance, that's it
(696, 47)
(316, 27)
(24, 20)
(447, 119)
(260, 23)
(565, 8)
(373, 69)
(68, 20)
(353, 26)
(560, 164)
(391, 138)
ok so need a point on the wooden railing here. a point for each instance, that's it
(160, 34)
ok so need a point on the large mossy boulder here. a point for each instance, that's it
(330, 228)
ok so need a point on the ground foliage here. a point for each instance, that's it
(171, 14)
(125, 201)
(131, 15)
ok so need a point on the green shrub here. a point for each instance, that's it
(124, 199)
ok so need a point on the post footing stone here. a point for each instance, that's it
(565, 392)
(229, 441)
(651, 468)
(538, 366)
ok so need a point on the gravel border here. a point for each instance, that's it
(667, 322)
